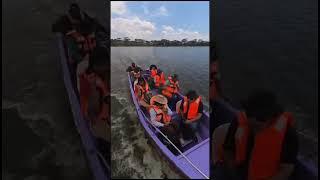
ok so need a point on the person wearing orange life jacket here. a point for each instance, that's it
(160, 116)
(159, 79)
(84, 38)
(142, 92)
(190, 109)
(94, 91)
(153, 70)
(172, 86)
(261, 143)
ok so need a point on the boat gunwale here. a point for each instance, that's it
(86, 136)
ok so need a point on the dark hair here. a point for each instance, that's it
(191, 94)
(262, 104)
(140, 79)
(136, 70)
(133, 64)
(175, 77)
(152, 65)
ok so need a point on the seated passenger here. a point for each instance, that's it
(160, 116)
(153, 70)
(159, 79)
(172, 86)
(93, 89)
(160, 113)
(190, 110)
(132, 67)
(261, 143)
(141, 90)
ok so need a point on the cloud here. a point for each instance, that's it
(134, 28)
(118, 7)
(170, 33)
(162, 11)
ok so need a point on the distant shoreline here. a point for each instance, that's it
(126, 42)
(158, 46)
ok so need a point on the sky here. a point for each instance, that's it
(155, 20)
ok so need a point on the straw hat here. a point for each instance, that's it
(159, 99)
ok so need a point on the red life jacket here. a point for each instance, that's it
(85, 43)
(143, 90)
(161, 116)
(190, 110)
(85, 92)
(265, 156)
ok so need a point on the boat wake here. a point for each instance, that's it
(132, 155)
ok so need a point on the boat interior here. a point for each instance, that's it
(203, 127)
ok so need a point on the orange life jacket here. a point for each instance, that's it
(265, 156)
(161, 116)
(141, 89)
(190, 110)
(85, 92)
(85, 43)
(153, 72)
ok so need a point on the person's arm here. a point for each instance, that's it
(153, 118)
(288, 156)
(178, 105)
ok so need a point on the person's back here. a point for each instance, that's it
(268, 145)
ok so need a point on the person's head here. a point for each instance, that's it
(136, 70)
(261, 106)
(74, 11)
(153, 67)
(159, 100)
(175, 77)
(133, 64)
(192, 95)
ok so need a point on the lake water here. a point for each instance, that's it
(132, 156)
(272, 44)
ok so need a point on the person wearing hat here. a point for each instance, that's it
(262, 142)
(160, 113)
(160, 116)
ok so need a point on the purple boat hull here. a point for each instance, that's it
(198, 154)
(97, 164)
